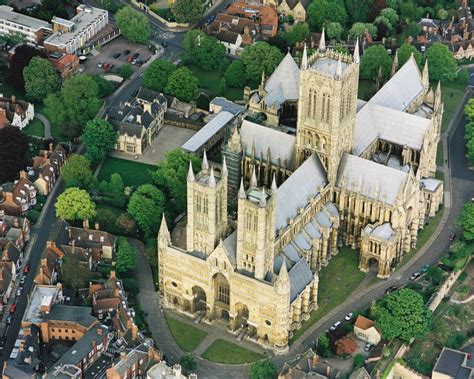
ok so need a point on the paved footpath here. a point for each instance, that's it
(47, 125)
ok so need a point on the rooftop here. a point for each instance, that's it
(79, 315)
(328, 65)
(40, 296)
(8, 14)
(452, 363)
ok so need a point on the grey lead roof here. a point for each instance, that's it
(213, 127)
(371, 175)
(230, 245)
(227, 105)
(299, 273)
(293, 194)
(284, 83)
(281, 145)
(450, 363)
(430, 184)
(384, 231)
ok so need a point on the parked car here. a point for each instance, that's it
(22, 280)
(116, 55)
(135, 55)
(100, 64)
(26, 269)
(2, 341)
(9, 319)
(18, 291)
(126, 52)
(335, 325)
(367, 346)
(452, 237)
(415, 275)
(425, 268)
(391, 289)
(164, 44)
(12, 308)
(106, 66)
(349, 316)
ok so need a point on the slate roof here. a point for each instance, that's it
(450, 362)
(227, 105)
(80, 315)
(83, 237)
(371, 175)
(292, 3)
(299, 273)
(230, 245)
(281, 145)
(284, 83)
(132, 130)
(293, 194)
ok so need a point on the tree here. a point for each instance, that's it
(359, 361)
(459, 252)
(260, 57)
(297, 33)
(76, 172)
(323, 345)
(436, 275)
(133, 25)
(391, 15)
(116, 184)
(75, 204)
(384, 28)
(187, 11)
(105, 87)
(126, 70)
(321, 12)
(358, 10)
(262, 370)
(373, 58)
(126, 259)
(334, 30)
(203, 50)
(48, 9)
(74, 274)
(20, 59)
(466, 221)
(359, 29)
(235, 74)
(99, 137)
(13, 152)
(171, 173)
(188, 363)
(126, 223)
(405, 51)
(157, 74)
(469, 110)
(41, 79)
(146, 206)
(183, 84)
(413, 29)
(402, 314)
(441, 63)
(346, 345)
(443, 14)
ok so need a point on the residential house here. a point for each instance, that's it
(399, 370)
(265, 16)
(49, 265)
(103, 243)
(162, 371)
(15, 112)
(14, 229)
(17, 197)
(309, 365)
(453, 364)
(134, 362)
(46, 168)
(65, 64)
(11, 253)
(295, 8)
(429, 26)
(7, 279)
(360, 373)
(138, 121)
(365, 330)
(106, 298)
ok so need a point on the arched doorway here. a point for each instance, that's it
(221, 296)
(199, 299)
(242, 315)
(373, 264)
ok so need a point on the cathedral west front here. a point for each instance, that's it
(356, 173)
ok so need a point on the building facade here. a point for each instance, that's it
(352, 175)
(31, 29)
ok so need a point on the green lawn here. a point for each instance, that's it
(186, 336)
(225, 352)
(452, 94)
(440, 154)
(35, 128)
(132, 173)
(336, 282)
(211, 81)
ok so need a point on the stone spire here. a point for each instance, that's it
(394, 64)
(224, 167)
(212, 179)
(322, 42)
(356, 52)
(304, 59)
(190, 177)
(164, 232)
(425, 78)
(263, 198)
(242, 193)
(274, 184)
(339, 69)
(283, 279)
(234, 141)
(205, 164)
(253, 181)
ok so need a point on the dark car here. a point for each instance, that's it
(391, 289)
(452, 236)
(164, 44)
(415, 276)
(12, 308)
(425, 268)
(136, 55)
(116, 55)
(126, 52)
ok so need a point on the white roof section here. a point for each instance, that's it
(284, 83)
(383, 232)
(281, 145)
(8, 14)
(400, 91)
(372, 178)
(430, 184)
(40, 296)
(328, 66)
(213, 127)
(294, 193)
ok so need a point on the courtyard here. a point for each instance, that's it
(133, 173)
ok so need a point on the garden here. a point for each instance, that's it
(186, 336)
(225, 352)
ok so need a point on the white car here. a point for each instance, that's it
(22, 280)
(349, 316)
(18, 291)
(367, 346)
(335, 325)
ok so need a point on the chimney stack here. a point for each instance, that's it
(85, 224)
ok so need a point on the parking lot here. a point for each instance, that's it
(107, 52)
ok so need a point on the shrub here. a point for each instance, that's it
(33, 215)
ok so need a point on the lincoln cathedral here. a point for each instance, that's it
(353, 173)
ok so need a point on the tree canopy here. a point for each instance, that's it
(262, 370)
(203, 50)
(157, 74)
(296, 33)
(76, 172)
(75, 204)
(41, 79)
(20, 59)
(188, 363)
(146, 206)
(441, 63)
(13, 152)
(358, 10)
(125, 259)
(403, 315)
(373, 58)
(133, 25)
(183, 84)
(345, 345)
(74, 274)
(359, 29)
(334, 30)
(466, 220)
(260, 57)
(99, 137)
(404, 52)
(321, 12)
(235, 74)
(187, 11)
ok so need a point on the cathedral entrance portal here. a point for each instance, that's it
(199, 299)
(242, 316)
(221, 297)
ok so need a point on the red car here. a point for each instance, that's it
(26, 269)
(12, 308)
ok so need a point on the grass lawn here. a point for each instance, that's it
(35, 128)
(440, 154)
(186, 336)
(132, 173)
(225, 352)
(452, 94)
(336, 282)
(423, 235)
(365, 89)
(211, 81)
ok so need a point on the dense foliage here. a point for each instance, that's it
(133, 25)
(13, 153)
